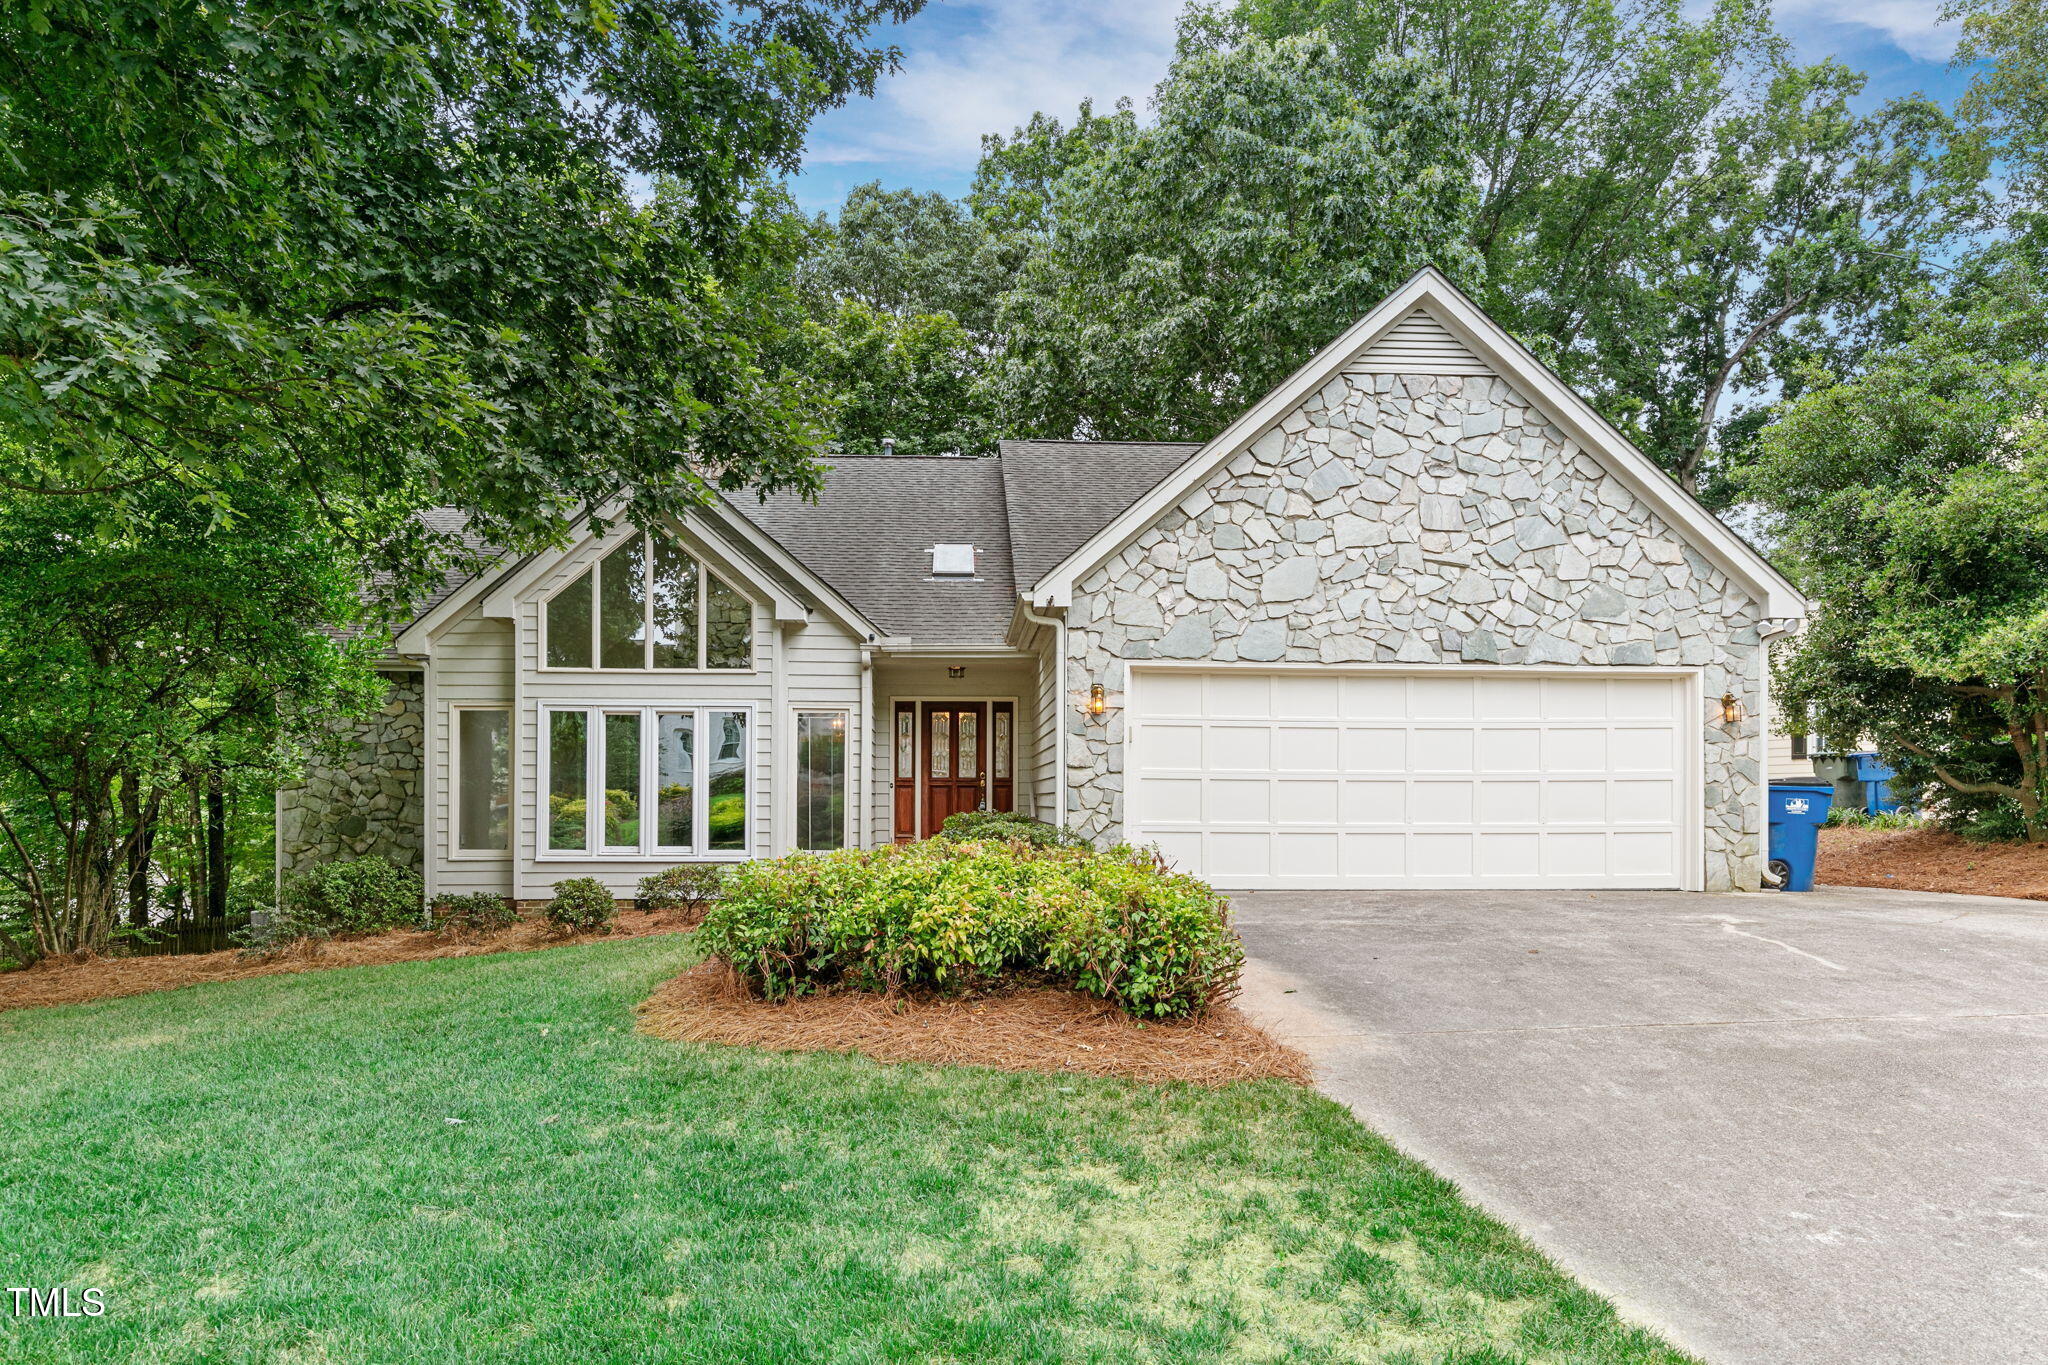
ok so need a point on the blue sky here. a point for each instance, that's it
(977, 66)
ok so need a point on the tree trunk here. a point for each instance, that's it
(142, 828)
(216, 847)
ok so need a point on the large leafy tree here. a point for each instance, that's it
(140, 663)
(392, 254)
(1183, 268)
(1912, 501)
(910, 379)
(1669, 211)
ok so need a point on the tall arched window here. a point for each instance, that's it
(649, 604)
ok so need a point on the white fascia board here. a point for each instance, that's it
(738, 523)
(1514, 363)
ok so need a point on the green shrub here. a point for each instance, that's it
(281, 931)
(354, 897)
(970, 825)
(581, 905)
(688, 887)
(480, 912)
(944, 913)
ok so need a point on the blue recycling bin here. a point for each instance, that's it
(1876, 776)
(1797, 812)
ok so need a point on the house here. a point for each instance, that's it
(1420, 618)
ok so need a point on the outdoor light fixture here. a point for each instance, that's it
(1097, 703)
(956, 670)
(1731, 709)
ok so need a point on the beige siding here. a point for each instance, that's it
(471, 664)
(476, 659)
(1780, 764)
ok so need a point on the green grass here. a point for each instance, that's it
(267, 1170)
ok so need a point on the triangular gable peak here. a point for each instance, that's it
(1429, 327)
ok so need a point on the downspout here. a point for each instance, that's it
(1766, 631)
(864, 828)
(1058, 626)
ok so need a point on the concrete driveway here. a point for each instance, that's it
(1798, 1129)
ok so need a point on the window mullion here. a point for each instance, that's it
(647, 601)
(703, 609)
(593, 783)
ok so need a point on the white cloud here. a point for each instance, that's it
(983, 66)
(1914, 26)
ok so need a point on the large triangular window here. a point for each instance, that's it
(649, 604)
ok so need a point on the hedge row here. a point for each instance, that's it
(943, 913)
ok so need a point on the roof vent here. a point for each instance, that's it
(952, 561)
(888, 445)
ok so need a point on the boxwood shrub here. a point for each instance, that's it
(581, 905)
(969, 825)
(479, 912)
(954, 914)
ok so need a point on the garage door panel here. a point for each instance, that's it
(1374, 803)
(1239, 748)
(1441, 751)
(1514, 749)
(1374, 750)
(1246, 694)
(1440, 803)
(1369, 779)
(1166, 744)
(1446, 698)
(1306, 748)
(1239, 801)
(1305, 801)
(1375, 697)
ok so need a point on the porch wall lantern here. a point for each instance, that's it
(1731, 709)
(1097, 703)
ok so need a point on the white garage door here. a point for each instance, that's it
(1320, 778)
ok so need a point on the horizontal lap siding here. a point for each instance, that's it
(472, 663)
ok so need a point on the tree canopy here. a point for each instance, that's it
(392, 255)
(1912, 502)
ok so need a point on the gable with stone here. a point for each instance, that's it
(1418, 619)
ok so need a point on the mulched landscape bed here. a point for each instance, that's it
(1017, 1028)
(1931, 860)
(73, 981)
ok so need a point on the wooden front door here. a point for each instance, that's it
(955, 747)
(952, 756)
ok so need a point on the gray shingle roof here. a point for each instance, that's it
(1059, 493)
(868, 533)
(1025, 509)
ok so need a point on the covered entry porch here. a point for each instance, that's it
(958, 732)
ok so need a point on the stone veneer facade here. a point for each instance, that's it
(1420, 519)
(368, 802)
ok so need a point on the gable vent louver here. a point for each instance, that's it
(952, 561)
(1418, 344)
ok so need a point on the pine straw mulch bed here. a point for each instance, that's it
(71, 981)
(1930, 860)
(1015, 1028)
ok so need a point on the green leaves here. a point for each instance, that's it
(1912, 501)
(218, 256)
(1186, 267)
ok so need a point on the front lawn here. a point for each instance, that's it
(479, 1159)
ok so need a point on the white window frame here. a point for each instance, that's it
(455, 848)
(705, 573)
(845, 714)
(595, 850)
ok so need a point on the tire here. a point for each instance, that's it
(1782, 870)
